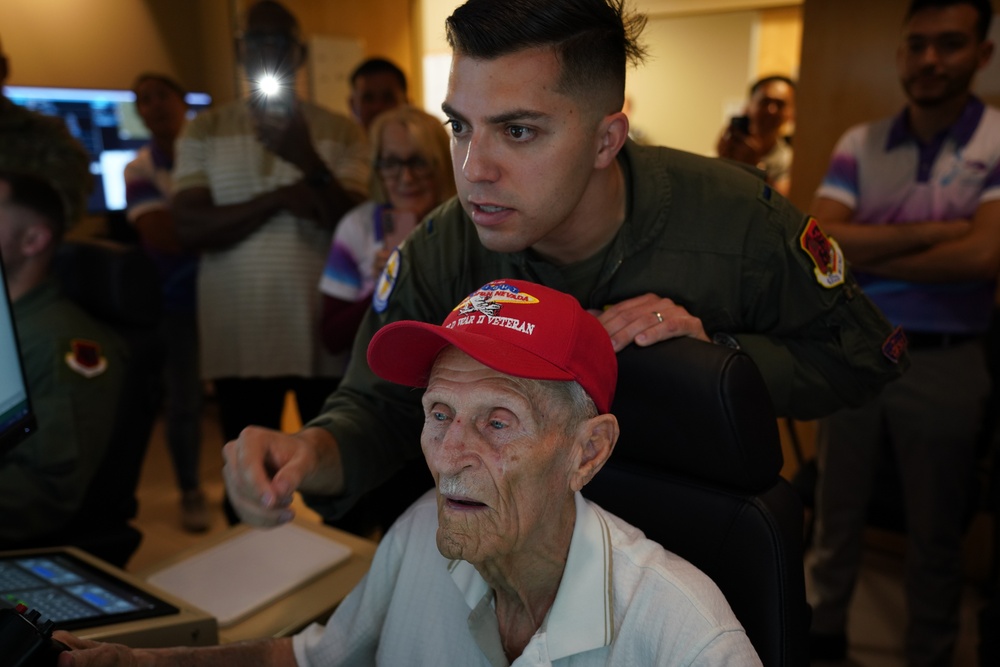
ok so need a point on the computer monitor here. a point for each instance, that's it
(17, 420)
(108, 126)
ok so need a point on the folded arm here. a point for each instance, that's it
(972, 255)
(203, 225)
(903, 247)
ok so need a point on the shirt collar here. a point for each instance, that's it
(581, 618)
(960, 132)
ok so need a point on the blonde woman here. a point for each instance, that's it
(411, 174)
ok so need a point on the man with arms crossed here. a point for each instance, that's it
(506, 563)
(658, 242)
(914, 201)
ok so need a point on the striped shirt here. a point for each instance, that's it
(258, 307)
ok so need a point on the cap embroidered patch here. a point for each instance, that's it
(825, 254)
(485, 304)
(387, 281)
(895, 345)
(85, 358)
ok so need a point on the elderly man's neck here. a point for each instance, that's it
(526, 583)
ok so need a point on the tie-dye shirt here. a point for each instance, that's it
(886, 176)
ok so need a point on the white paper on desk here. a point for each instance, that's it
(235, 578)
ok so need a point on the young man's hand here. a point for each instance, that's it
(648, 319)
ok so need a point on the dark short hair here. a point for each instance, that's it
(984, 10)
(378, 66)
(38, 195)
(277, 11)
(775, 78)
(595, 40)
(162, 78)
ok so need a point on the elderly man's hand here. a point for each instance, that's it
(86, 653)
(648, 319)
(263, 468)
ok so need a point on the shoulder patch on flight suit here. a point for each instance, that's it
(826, 255)
(387, 281)
(895, 345)
(85, 358)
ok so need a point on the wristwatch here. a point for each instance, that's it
(320, 177)
(722, 338)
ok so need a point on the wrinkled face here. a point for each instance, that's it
(771, 106)
(161, 108)
(501, 460)
(940, 54)
(406, 173)
(372, 94)
(523, 152)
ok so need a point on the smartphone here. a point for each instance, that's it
(739, 125)
(274, 96)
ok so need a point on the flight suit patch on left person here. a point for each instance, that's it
(826, 255)
(85, 358)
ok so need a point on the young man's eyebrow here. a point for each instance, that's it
(515, 115)
(450, 112)
(499, 119)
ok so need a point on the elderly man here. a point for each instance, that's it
(505, 562)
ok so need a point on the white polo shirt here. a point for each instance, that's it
(623, 600)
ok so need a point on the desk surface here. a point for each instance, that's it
(312, 602)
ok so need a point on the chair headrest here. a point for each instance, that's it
(114, 282)
(698, 410)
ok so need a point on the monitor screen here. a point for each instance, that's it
(108, 126)
(72, 593)
(17, 420)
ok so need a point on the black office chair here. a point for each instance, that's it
(118, 285)
(697, 469)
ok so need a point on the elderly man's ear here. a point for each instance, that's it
(596, 441)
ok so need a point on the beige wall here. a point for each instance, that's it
(695, 77)
(700, 67)
(779, 41)
(848, 75)
(105, 43)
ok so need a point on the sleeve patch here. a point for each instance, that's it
(826, 255)
(387, 282)
(85, 358)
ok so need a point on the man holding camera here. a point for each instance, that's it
(259, 186)
(760, 136)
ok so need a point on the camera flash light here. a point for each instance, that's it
(269, 85)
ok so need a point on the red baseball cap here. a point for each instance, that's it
(516, 327)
